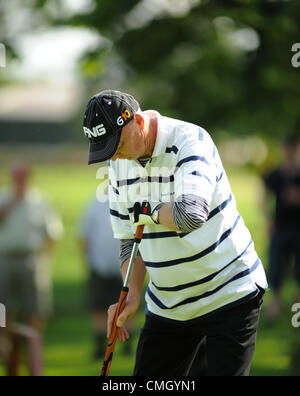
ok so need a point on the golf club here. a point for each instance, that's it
(121, 304)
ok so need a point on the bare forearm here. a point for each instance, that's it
(137, 279)
(133, 298)
(165, 217)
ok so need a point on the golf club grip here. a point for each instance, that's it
(114, 333)
(139, 232)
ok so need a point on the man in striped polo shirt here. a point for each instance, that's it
(206, 279)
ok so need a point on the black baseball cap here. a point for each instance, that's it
(106, 114)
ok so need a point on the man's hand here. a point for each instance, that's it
(133, 298)
(142, 213)
(129, 311)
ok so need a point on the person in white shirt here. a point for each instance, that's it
(206, 279)
(29, 229)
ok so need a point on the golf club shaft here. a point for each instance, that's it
(121, 304)
(131, 264)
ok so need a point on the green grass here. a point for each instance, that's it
(68, 343)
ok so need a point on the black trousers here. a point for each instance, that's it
(167, 349)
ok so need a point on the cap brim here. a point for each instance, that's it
(100, 152)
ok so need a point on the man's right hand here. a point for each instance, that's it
(133, 298)
(129, 311)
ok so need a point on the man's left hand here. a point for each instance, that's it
(142, 213)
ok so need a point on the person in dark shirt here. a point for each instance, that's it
(284, 184)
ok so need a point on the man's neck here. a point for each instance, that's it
(151, 125)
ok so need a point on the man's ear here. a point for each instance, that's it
(140, 120)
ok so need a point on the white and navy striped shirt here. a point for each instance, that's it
(192, 274)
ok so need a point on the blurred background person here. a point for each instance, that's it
(283, 184)
(29, 228)
(101, 253)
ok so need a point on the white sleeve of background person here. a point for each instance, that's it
(53, 223)
(82, 228)
(102, 248)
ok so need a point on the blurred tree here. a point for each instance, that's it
(225, 65)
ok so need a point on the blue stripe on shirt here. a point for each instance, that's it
(214, 152)
(203, 280)
(220, 177)
(206, 294)
(172, 149)
(200, 134)
(157, 235)
(219, 208)
(196, 256)
(200, 318)
(148, 179)
(191, 158)
(114, 189)
(197, 173)
(119, 215)
(127, 182)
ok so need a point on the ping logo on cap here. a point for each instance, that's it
(97, 131)
(125, 116)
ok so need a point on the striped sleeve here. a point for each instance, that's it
(189, 212)
(126, 246)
